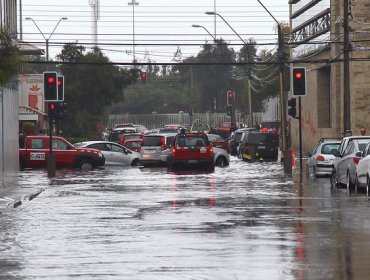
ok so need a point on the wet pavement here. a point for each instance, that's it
(245, 221)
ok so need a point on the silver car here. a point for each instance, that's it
(115, 154)
(344, 172)
(320, 161)
(363, 169)
(222, 157)
(155, 148)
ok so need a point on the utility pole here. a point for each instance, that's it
(346, 74)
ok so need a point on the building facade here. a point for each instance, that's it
(9, 139)
(317, 40)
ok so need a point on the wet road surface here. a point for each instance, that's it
(245, 221)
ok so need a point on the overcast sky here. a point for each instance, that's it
(167, 23)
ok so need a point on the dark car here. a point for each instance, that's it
(259, 146)
(236, 138)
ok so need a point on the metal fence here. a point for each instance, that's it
(151, 121)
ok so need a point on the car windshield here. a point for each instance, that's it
(135, 144)
(256, 138)
(215, 138)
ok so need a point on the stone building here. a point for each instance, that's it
(317, 31)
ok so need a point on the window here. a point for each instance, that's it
(37, 144)
(115, 148)
(59, 145)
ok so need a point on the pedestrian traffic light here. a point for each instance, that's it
(230, 98)
(60, 88)
(292, 107)
(50, 86)
(228, 110)
(52, 109)
(299, 87)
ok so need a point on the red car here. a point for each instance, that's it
(191, 150)
(133, 144)
(219, 142)
(129, 136)
(224, 128)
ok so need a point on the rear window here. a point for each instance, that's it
(191, 141)
(131, 136)
(329, 148)
(256, 138)
(152, 141)
(131, 145)
(215, 138)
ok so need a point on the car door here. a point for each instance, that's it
(363, 166)
(343, 163)
(119, 154)
(65, 154)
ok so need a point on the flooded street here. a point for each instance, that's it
(245, 221)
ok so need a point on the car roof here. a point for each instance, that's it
(160, 134)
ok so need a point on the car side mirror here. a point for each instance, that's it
(336, 153)
(359, 154)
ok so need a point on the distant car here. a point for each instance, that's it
(236, 138)
(169, 130)
(133, 144)
(140, 128)
(199, 127)
(219, 142)
(128, 136)
(124, 125)
(191, 150)
(345, 169)
(260, 146)
(320, 161)
(114, 153)
(155, 148)
(363, 169)
(116, 134)
(224, 129)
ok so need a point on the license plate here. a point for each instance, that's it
(150, 151)
(192, 161)
(261, 147)
(247, 156)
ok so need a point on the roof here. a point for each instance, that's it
(29, 49)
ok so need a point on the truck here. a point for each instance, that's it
(36, 150)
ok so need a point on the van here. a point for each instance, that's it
(155, 148)
(259, 146)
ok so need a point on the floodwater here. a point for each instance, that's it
(245, 221)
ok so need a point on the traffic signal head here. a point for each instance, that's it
(52, 109)
(299, 87)
(230, 98)
(228, 110)
(50, 86)
(60, 88)
(292, 107)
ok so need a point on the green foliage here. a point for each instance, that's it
(90, 87)
(9, 62)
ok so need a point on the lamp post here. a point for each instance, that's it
(47, 39)
(133, 3)
(286, 154)
(250, 119)
(200, 26)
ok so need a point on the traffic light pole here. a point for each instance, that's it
(300, 133)
(51, 158)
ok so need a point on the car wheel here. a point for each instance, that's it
(348, 181)
(333, 180)
(86, 164)
(135, 162)
(221, 161)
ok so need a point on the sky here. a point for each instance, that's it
(160, 27)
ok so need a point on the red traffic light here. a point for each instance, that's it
(230, 98)
(230, 94)
(51, 80)
(298, 75)
(52, 106)
(59, 82)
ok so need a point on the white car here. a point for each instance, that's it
(363, 169)
(115, 154)
(320, 162)
(221, 157)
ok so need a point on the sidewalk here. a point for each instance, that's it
(14, 194)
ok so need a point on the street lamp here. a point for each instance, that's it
(133, 3)
(200, 26)
(250, 120)
(47, 39)
(286, 154)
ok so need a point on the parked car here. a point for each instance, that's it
(191, 150)
(363, 169)
(116, 134)
(114, 153)
(344, 171)
(128, 136)
(155, 148)
(219, 142)
(133, 144)
(236, 138)
(259, 146)
(320, 161)
(338, 155)
(224, 129)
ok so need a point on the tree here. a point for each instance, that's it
(91, 85)
(9, 62)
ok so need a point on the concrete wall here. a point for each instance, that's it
(9, 143)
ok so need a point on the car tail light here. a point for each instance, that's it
(164, 146)
(356, 160)
(173, 150)
(320, 158)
